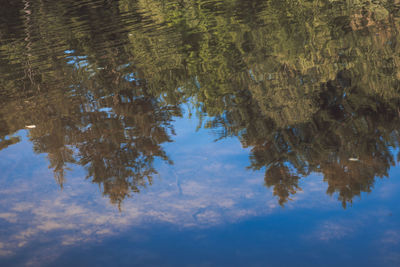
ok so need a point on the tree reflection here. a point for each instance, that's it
(349, 144)
(86, 103)
(310, 90)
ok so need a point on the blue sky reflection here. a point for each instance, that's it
(207, 201)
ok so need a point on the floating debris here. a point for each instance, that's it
(354, 159)
(30, 126)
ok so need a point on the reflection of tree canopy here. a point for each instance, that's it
(86, 103)
(310, 86)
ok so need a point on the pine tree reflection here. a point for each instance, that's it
(87, 108)
(309, 90)
(350, 140)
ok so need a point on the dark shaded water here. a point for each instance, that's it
(204, 133)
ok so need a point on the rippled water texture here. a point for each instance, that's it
(199, 133)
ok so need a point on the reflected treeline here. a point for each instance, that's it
(76, 86)
(309, 86)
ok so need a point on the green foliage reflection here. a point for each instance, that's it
(310, 86)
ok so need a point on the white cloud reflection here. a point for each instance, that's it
(208, 186)
(207, 193)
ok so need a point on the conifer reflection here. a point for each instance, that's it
(310, 90)
(86, 102)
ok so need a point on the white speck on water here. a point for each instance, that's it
(354, 159)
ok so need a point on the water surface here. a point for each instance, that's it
(204, 133)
